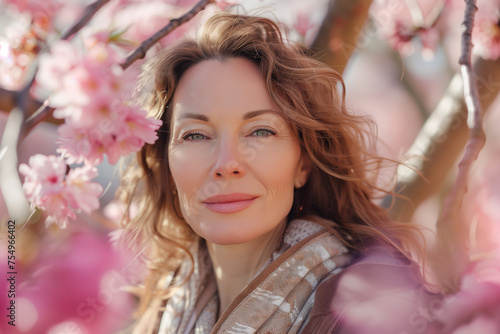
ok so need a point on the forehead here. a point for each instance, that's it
(234, 85)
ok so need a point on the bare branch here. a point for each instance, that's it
(89, 13)
(340, 30)
(140, 52)
(448, 228)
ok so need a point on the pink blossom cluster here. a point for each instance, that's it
(37, 9)
(401, 37)
(89, 93)
(49, 186)
(428, 21)
(403, 25)
(121, 129)
(74, 285)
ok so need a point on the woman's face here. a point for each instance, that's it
(233, 158)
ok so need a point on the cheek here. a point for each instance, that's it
(276, 170)
(188, 174)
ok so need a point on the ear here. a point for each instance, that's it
(303, 170)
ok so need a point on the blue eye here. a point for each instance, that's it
(263, 133)
(194, 136)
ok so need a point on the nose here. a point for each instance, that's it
(228, 160)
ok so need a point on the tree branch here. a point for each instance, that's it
(7, 103)
(440, 142)
(140, 52)
(448, 229)
(339, 32)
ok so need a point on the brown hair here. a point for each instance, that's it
(340, 188)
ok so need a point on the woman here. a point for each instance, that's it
(256, 201)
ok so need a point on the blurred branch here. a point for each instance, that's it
(10, 183)
(440, 142)
(339, 32)
(89, 13)
(7, 103)
(140, 52)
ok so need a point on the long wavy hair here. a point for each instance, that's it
(341, 186)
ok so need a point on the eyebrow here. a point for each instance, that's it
(246, 116)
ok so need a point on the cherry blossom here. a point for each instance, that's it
(50, 187)
(75, 286)
(118, 132)
(43, 177)
(82, 193)
(64, 57)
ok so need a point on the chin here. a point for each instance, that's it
(227, 238)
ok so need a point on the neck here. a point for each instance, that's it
(236, 265)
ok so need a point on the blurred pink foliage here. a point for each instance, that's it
(115, 210)
(474, 309)
(75, 286)
(487, 36)
(403, 25)
(426, 21)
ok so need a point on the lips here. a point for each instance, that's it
(229, 203)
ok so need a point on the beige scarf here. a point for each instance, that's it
(277, 300)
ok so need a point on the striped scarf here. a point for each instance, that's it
(277, 300)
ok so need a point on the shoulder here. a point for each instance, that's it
(377, 293)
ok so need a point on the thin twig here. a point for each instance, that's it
(37, 117)
(140, 52)
(474, 120)
(452, 234)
